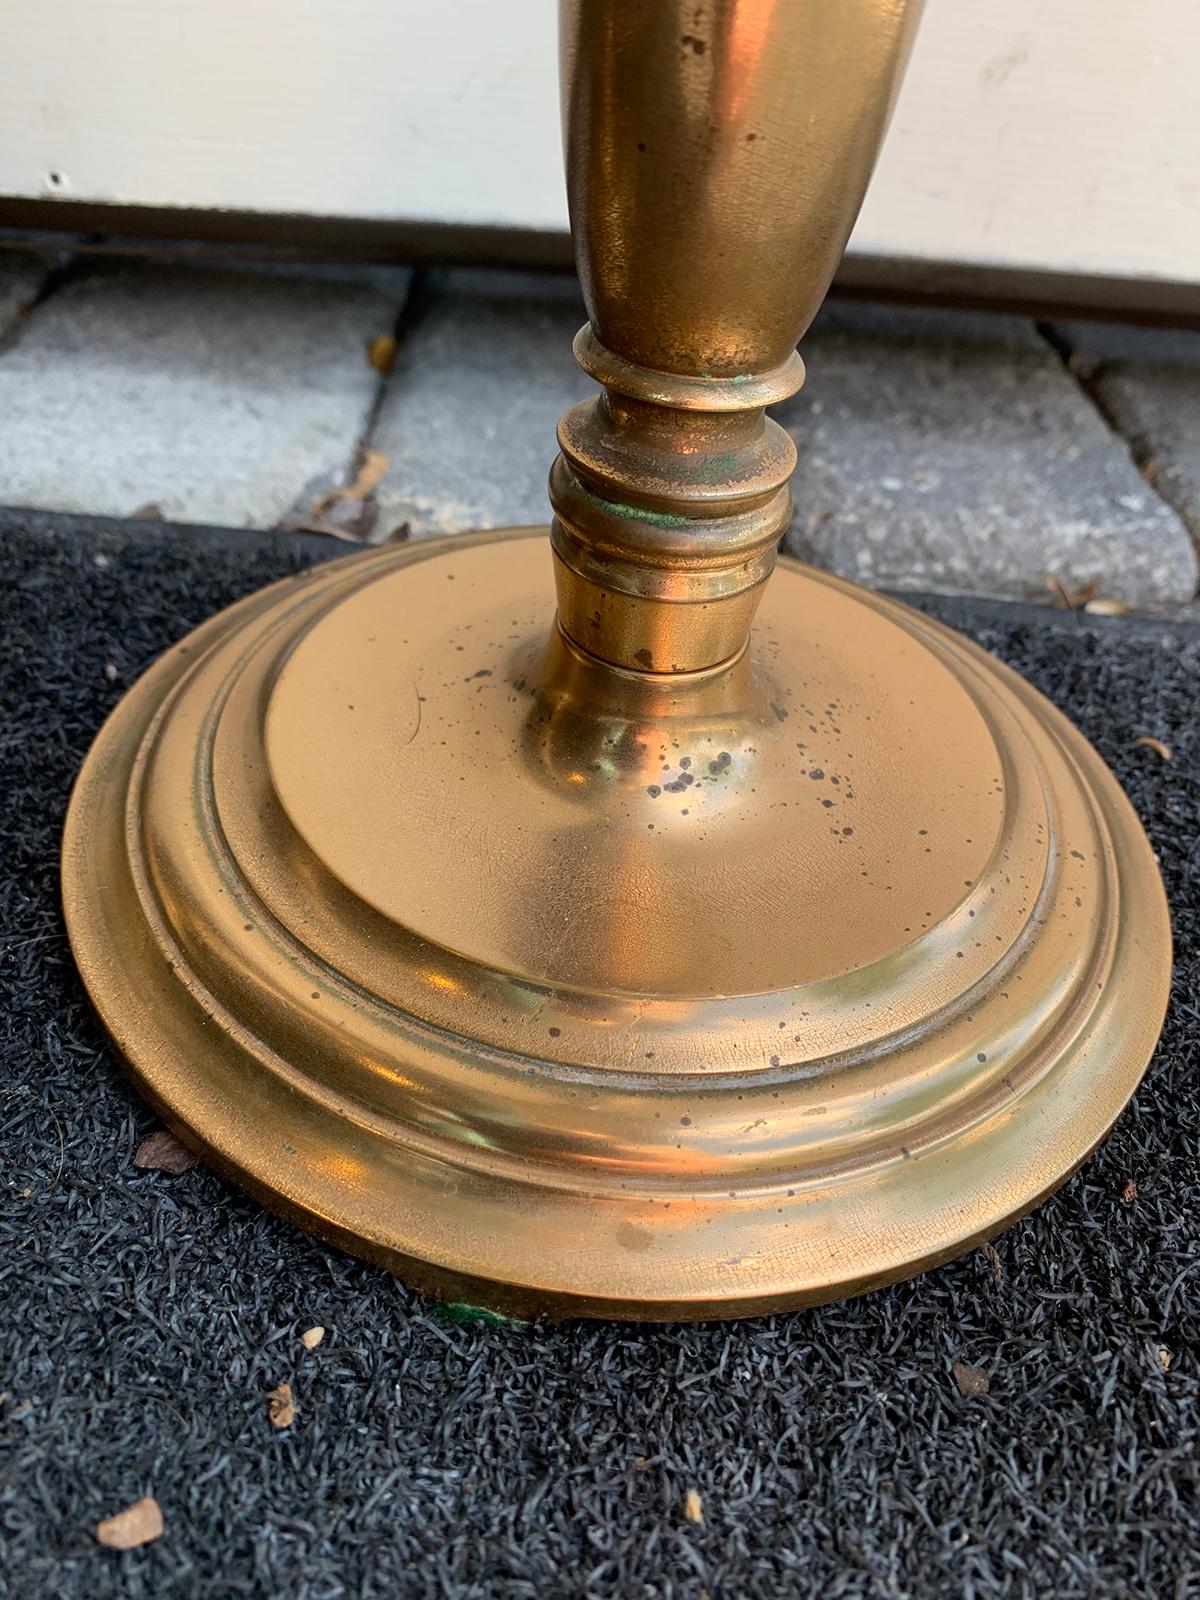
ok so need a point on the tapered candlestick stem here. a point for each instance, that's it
(717, 155)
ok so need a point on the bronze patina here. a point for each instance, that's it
(603, 929)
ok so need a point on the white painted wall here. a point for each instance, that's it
(1050, 134)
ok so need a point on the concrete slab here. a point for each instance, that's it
(949, 452)
(469, 417)
(1147, 380)
(217, 396)
(954, 452)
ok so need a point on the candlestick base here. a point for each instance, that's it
(564, 989)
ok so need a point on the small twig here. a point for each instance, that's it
(62, 1149)
(1151, 743)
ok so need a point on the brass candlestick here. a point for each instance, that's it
(649, 963)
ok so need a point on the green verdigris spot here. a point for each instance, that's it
(660, 519)
(465, 1316)
(619, 508)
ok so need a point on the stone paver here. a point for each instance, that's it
(481, 381)
(1148, 381)
(220, 396)
(953, 451)
(937, 451)
(22, 275)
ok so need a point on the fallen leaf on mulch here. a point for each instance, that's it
(162, 1152)
(970, 1380)
(312, 1337)
(150, 512)
(1159, 748)
(281, 1408)
(993, 1258)
(1129, 1192)
(381, 353)
(137, 1524)
(1163, 1356)
(693, 1508)
(1107, 605)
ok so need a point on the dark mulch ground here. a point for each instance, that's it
(144, 1318)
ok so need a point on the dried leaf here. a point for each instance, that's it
(381, 353)
(1072, 599)
(162, 1152)
(970, 1380)
(1163, 1356)
(1129, 1192)
(311, 1337)
(353, 520)
(150, 512)
(281, 1408)
(1106, 605)
(348, 511)
(693, 1508)
(1159, 748)
(371, 469)
(990, 1252)
(137, 1524)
